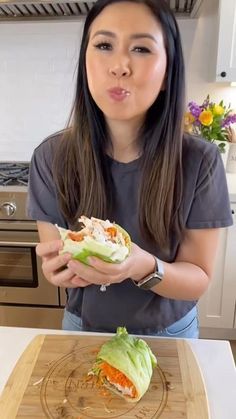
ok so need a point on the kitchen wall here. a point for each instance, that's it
(37, 76)
(37, 66)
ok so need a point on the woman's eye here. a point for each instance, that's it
(143, 50)
(104, 46)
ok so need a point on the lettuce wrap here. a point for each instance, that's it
(125, 365)
(101, 238)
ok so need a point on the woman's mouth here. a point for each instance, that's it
(118, 94)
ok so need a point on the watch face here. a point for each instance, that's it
(150, 282)
(153, 279)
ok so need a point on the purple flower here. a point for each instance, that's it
(197, 123)
(194, 109)
(231, 119)
(205, 104)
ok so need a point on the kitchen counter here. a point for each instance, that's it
(214, 356)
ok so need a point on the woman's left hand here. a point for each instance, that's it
(138, 265)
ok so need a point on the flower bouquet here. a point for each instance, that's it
(211, 121)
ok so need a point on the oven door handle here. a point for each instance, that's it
(17, 244)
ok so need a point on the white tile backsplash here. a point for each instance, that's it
(37, 79)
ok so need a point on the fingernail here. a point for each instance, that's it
(58, 244)
(72, 264)
(67, 257)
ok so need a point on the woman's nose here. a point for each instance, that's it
(120, 70)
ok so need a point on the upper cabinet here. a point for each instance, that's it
(226, 54)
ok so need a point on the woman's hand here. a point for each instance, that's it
(54, 265)
(138, 265)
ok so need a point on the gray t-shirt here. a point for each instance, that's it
(206, 205)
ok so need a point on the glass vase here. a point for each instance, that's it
(231, 159)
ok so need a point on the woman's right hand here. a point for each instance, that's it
(54, 265)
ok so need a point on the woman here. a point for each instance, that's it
(124, 157)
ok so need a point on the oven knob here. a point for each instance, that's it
(9, 208)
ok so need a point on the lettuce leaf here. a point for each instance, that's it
(130, 355)
(90, 247)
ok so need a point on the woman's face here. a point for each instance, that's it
(125, 60)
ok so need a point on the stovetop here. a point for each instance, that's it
(13, 191)
(14, 173)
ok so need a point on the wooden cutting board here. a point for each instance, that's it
(50, 381)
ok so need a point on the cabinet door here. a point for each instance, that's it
(226, 57)
(217, 305)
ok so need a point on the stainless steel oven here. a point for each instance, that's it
(27, 299)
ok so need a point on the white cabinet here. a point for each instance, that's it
(217, 305)
(226, 53)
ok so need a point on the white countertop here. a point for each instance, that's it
(214, 356)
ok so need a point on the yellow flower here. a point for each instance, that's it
(206, 118)
(188, 128)
(218, 110)
(188, 118)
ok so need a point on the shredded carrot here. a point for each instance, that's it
(117, 377)
(76, 236)
(112, 231)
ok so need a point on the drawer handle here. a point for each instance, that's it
(18, 244)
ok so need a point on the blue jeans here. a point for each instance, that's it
(187, 327)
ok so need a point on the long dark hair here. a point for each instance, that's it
(81, 168)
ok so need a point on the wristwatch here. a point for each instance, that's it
(152, 279)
